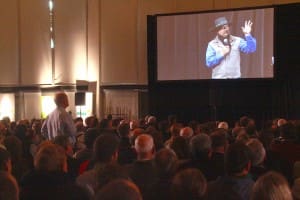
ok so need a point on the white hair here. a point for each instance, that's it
(143, 143)
(257, 150)
(281, 122)
(186, 132)
(223, 125)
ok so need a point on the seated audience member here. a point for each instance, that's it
(73, 164)
(105, 152)
(188, 184)
(108, 173)
(5, 161)
(126, 153)
(271, 186)
(181, 147)
(163, 127)
(89, 139)
(286, 149)
(166, 163)
(119, 189)
(143, 171)
(200, 149)
(19, 165)
(219, 144)
(153, 131)
(195, 126)
(49, 179)
(223, 125)
(9, 189)
(186, 132)
(236, 184)
(281, 122)
(91, 122)
(242, 138)
(258, 155)
(296, 189)
(175, 132)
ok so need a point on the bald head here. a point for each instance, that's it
(144, 145)
(61, 99)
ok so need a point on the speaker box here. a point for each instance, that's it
(79, 98)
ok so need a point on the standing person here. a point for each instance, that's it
(59, 122)
(223, 52)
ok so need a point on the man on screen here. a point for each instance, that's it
(223, 52)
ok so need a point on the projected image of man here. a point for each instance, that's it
(223, 52)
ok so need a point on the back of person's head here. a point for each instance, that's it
(296, 189)
(180, 146)
(105, 124)
(91, 121)
(5, 160)
(119, 189)
(281, 122)
(175, 129)
(62, 141)
(186, 132)
(238, 130)
(200, 146)
(244, 120)
(271, 186)
(188, 184)
(242, 138)
(144, 144)
(14, 146)
(237, 158)
(105, 148)
(61, 99)
(90, 137)
(165, 161)
(9, 189)
(110, 172)
(50, 157)
(258, 152)
(151, 121)
(218, 138)
(124, 129)
(223, 125)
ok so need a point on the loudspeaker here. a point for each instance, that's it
(79, 98)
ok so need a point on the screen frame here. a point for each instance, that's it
(152, 47)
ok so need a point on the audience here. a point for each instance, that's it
(258, 155)
(236, 184)
(188, 184)
(9, 189)
(105, 152)
(49, 179)
(119, 189)
(271, 186)
(161, 158)
(143, 171)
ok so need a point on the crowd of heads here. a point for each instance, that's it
(181, 155)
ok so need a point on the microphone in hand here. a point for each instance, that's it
(227, 46)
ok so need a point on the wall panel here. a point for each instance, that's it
(118, 41)
(35, 42)
(193, 5)
(248, 3)
(70, 40)
(9, 42)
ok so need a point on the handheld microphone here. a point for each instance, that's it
(225, 41)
